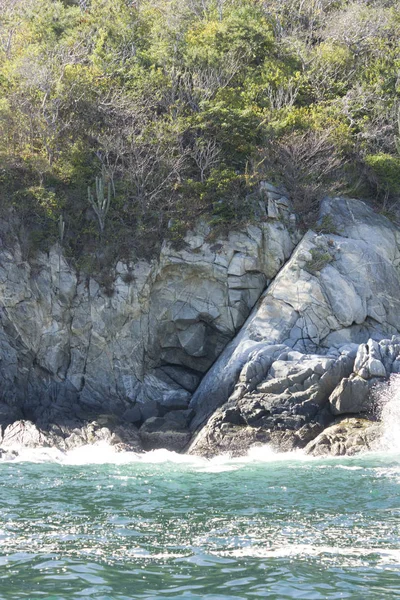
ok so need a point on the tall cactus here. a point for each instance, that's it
(100, 203)
(397, 137)
(61, 228)
(61, 232)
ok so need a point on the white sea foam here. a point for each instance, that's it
(103, 453)
(349, 468)
(384, 556)
(390, 416)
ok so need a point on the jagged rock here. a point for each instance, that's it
(352, 395)
(70, 345)
(348, 437)
(287, 441)
(25, 434)
(188, 380)
(227, 438)
(174, 441)
(274, 400)
(285, 400)
(273, 211)
(266, 186)
(368, 361)
(162, 391)
(337, 289)
(236, 440)
(177, 420)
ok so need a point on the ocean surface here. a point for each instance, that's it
(99, 525)
(96, 524)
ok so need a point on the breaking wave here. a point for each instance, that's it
(390, 416)
(103, 453)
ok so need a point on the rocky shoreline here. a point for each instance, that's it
(316, 403)
(214, 348)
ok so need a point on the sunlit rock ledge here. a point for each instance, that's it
(321, 338)
(177, 357)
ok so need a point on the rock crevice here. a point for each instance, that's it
(332, 308)
(73, 348)
(262, 337)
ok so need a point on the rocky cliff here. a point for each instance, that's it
(72, 349)
(302, 359)
(258, 337)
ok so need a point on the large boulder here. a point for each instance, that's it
(348, 437)
(352, 395)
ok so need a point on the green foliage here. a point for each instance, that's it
(386, 172)
(327, 225)
(176, 233)
(37, 201)
(183, 106)
(38, 210)
(320, 258)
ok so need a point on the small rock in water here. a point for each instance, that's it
(8, 454)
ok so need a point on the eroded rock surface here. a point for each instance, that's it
(348, 437)
(68, 436)
(167, 351)
(136, 346)
(286, 398)
(317, 341)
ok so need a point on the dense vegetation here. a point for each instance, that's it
(123, 121)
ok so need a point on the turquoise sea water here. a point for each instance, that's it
(96, 525)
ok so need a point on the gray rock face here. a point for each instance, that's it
(259, 341)
(348, 437)
(369, 360)
(352, 395)
(336, 289)
(286, 398)
(71, 347)
(278, 391)
(374, 361)
(170, 432)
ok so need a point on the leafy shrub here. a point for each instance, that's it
(384, 172)
(320, 258)
(178, 102)
(326, 225)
